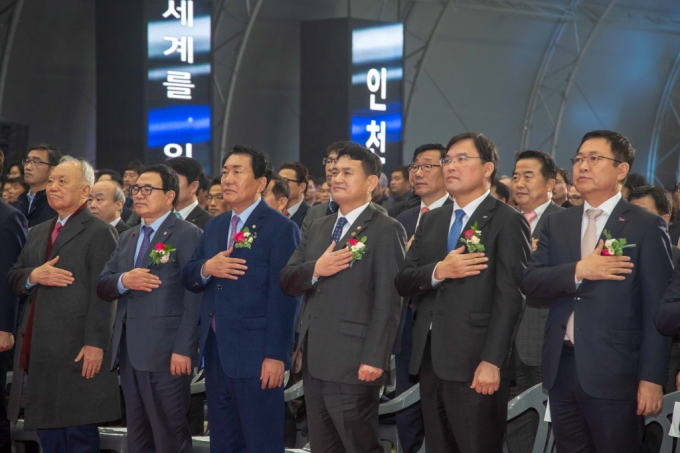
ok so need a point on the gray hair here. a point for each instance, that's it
(88, 171)
(383, 182)
(118, 194)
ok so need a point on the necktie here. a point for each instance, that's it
(55, 232)
(146, 241)
(530, 216)
(286, 213)
(178, 215)
(587, 246)
(234, 222)
(333, 206)
(454, 232)
(337, 232)
(424, 210)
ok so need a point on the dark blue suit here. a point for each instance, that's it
(254, 320)
(300, 214)
(13, 228)
(40, 210)
(593, 387)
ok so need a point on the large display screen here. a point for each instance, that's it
(177, 93)
(377, 92)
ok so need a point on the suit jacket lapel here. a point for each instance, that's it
(358, 228)
(552, 207)
(617, 219)
(573, 227)
(129, 252)
(161, 236)
(482, 214)
(71, 230)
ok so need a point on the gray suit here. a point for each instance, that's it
(66, 319)
(321, 210)
(155, 325)
(349, 319)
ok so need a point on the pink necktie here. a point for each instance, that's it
(424, 210)
(56, 231)
(530, 216)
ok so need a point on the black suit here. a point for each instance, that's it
(348, 319)
(617, 344)
(300, 214)
(40, 210)
(521, 432)
(674, 232)
(473, 319)
(13, 229)
(199, 217)
(121, 226)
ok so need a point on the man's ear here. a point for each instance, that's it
(372, 183)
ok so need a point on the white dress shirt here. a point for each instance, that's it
(539, 212)
(293, 209)
(469, 210)
(115, 222)
(187, 210)
(436, 204)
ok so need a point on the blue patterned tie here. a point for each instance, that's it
(454, 232)
(148, 231)
(337, 232)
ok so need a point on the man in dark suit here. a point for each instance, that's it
(155, 338)
(533, 182)
(106, 202)
(561, 190)
(470, 303)
(190, 177)
(65, 334)
(427, 180)
(13, 229)
(351, 310)
(38, 166)
(603, 363)
(247, 323)
(297, 177)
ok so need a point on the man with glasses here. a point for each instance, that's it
(469, 302)
(603, 362)
(155, 337)
(427, 179)
(38, 166)
(297, 177)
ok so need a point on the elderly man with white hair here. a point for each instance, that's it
(65, 332)
(106, 202)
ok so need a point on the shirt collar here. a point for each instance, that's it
(435, 204)
(608, 206)
(472, 206)
(247, 211)
(353, 215)
(187, 210)
(539, 209)
(115, 222)
(156, 224)
(293, 209)
(64, 220)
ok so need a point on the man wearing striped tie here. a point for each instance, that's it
(466, 264)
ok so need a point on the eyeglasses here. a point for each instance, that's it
(576, 197)
(35, 162)
(459, 159)
(291, 180)
(216, 197)
(426, 167)
(329, 161)
(145, 190)
(592, 160)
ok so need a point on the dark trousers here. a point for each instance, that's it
(156, 405)
(73, 439)
(457, 418)
(410, 420)
(241, 416)
(582, 423)
(5, 441)
(341, 417)
(521, 432)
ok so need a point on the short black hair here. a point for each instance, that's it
(301, 171)
(662, 199)
(135, 166)
(215, 181)
(548, 165)
(501, 190)
(621, 147)
(565, 175)
(115, 176)
(635, 180)
(337, 147)
(189, 168)
(369, 161)
(19, 180)
(403, 169)
(485, 147)
(259, 161)
(53, 153)
(280, 187)
(429, 147)
(168, 176)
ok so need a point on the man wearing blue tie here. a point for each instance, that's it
(247, 322)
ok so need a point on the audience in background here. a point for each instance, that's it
(17, 186)
(216, 203)
(310, 194)
(202, 195)
(106, 174)
(500, 191)
(297, 177)
(560, 192)
(5, 191)
(277, 193)
(400, 187)
(106, 202)
(132, 171)
(633, 181)
(191, 177)
(575, 198)
(15, 170)
(323, 193)
(379, 195)
(38, 166)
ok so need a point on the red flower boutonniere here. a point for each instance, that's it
(161, 253)
(472, 239)
(614, 247)
(357, 247)
(244, 239)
